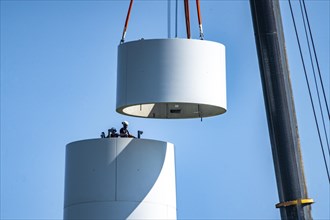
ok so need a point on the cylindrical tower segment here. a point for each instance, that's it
(171, 78)
(120, 178)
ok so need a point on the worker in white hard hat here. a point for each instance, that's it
(124, 131)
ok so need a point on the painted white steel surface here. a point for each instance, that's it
(120, 178)
(171, 78)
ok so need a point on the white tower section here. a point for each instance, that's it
(171, 78)
(120, 178)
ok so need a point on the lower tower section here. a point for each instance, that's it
(120, 178)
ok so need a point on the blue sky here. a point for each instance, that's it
(58, 85)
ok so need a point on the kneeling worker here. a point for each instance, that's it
(112, 133)
(124, 132)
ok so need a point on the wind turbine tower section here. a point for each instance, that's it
(120, 178)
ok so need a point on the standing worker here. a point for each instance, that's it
(124, 132)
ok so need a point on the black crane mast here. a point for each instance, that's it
(283, 130)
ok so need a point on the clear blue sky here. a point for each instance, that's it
(58, 85)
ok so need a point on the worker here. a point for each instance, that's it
(112, 133)
(124, 132)
(102, 135)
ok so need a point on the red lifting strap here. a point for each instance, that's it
(198, 12)
(126, 22)
(186, 10)
(201, 34)
(187, 16)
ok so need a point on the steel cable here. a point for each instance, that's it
(317, 62)
(169, 19)
(176, 18)
(309, 91)
(314, 75)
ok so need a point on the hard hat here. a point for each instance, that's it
(113, 129)
(125, 123)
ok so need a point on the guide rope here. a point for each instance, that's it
(309, 91)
